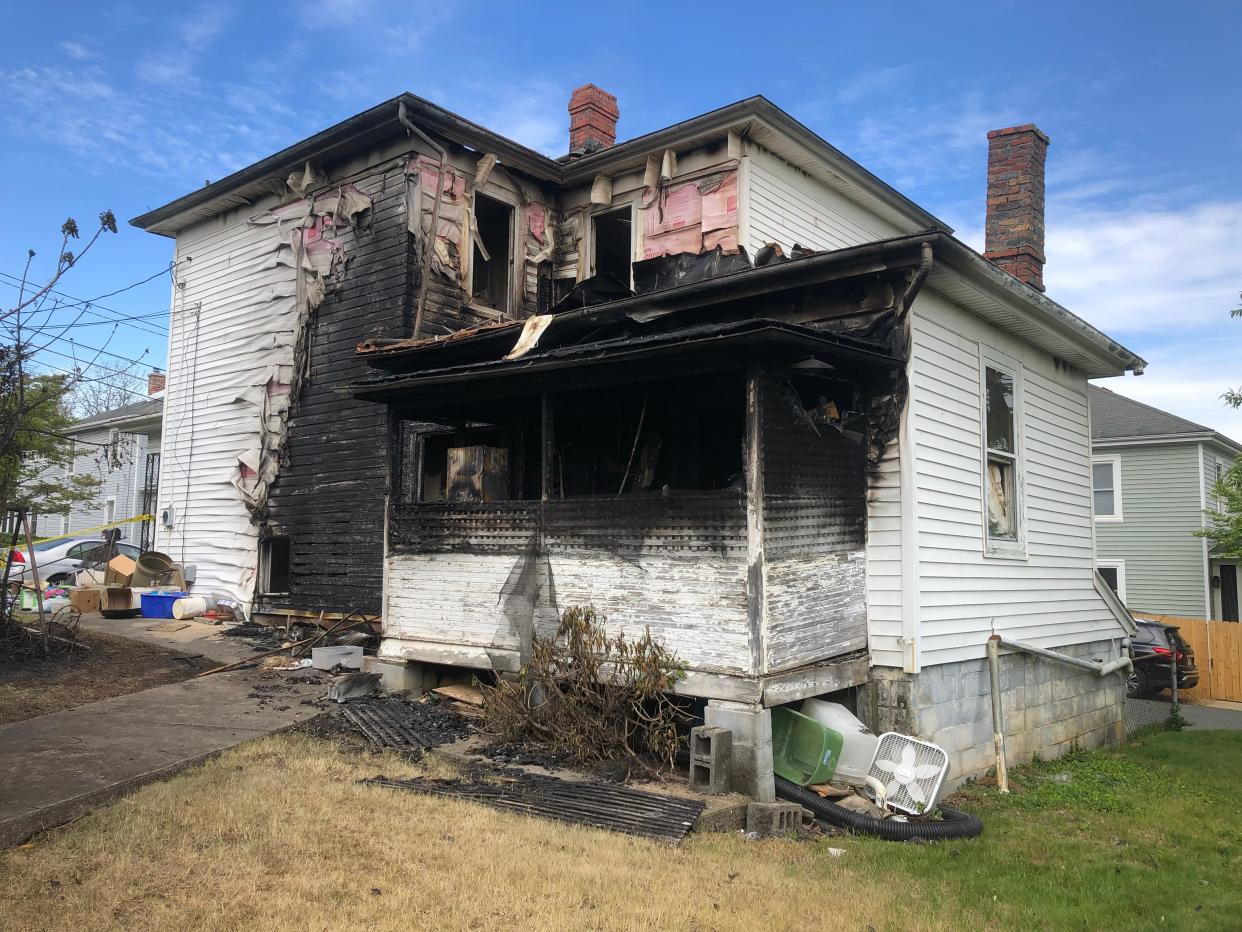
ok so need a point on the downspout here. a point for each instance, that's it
(429, 245)
(911, 660)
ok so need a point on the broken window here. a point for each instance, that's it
(274, 565)
(684, 434)
(1001, 454)
(612, 235)
(489, 266)
(473, 460)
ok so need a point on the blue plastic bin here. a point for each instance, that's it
(159, 604)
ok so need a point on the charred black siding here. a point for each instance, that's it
(329, 495)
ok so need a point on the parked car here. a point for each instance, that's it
(59, 560)
(1153, 649)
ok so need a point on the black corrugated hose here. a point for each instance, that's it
(956, 824)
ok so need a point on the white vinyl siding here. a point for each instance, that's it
(231, 329)
(1165, 564)
(785, 205)
(1049, 596)
(120, 482)
(884, 604)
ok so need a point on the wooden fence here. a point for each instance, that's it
(1218, 655)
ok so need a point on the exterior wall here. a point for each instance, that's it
(1161, 494)
(785, 205)
(231, 332)
(694, 605)
(1049, 708)
(1046, 593)
(328, 497)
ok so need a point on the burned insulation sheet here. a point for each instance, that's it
(310, 235)
(600, 805)
(694, 216)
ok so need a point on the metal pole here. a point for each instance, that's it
(998, 714)
(1176, 703)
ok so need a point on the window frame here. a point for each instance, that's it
(1120, 567)
(265, 565)
(600, 211)
(509, 201)
(1003, 548)
(1118, 514)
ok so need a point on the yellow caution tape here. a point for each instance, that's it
(91, 530)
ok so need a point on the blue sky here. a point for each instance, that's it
(127, 106)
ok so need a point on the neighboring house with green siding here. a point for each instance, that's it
(1153, 474)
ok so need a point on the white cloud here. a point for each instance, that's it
(864, 86)
(175, 65)
(1148, 271)
(533, 113)
(76, 50)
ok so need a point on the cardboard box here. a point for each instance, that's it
(118, 602)
(86, 600)
(120, 571)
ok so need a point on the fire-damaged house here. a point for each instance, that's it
(718, 381)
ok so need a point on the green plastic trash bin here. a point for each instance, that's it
(803, 750)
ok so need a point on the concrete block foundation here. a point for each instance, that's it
(751, 725)
(1049, 708)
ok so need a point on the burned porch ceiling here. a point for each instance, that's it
(839, 308)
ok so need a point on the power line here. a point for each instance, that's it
(89, 305)
(63, 371)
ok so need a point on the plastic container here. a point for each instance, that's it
(151, 568)
(189, 607)
(858, 743)
(159, 604)
(803, 750)
(325, 658)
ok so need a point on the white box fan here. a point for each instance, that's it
(911, 770)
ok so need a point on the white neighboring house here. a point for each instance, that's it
(122, 448)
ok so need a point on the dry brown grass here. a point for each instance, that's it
(114, 666)
(277, 834)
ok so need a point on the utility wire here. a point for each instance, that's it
(89, 304)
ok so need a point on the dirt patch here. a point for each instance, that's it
(114, 666)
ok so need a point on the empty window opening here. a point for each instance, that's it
(612, 234)
(474, 461)
(489, 266)
(654, 438)
(274, 560)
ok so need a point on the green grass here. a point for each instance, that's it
(1144, 836)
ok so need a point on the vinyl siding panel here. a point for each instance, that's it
(1160, 489)
(785, 205)
(1047, 595)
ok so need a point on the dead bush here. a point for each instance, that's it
(591, 697)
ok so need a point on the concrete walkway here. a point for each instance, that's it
(57, 767)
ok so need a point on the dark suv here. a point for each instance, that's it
(1153, 649)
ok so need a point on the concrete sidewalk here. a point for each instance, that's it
(58, 767)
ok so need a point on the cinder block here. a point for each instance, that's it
(396, 676)
(773, 818)
(711, 760)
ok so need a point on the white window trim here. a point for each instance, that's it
(512, 295)
(1118, 514)
(109, 502)
(1003, 549)
(1120, 567)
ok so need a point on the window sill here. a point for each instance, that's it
(1108, 519)
(1014, 552)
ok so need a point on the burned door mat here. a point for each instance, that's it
(599, 805)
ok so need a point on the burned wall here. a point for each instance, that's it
(328, 496)
(814, 475)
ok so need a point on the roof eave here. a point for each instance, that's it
(379, 121)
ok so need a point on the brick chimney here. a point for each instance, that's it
(593, 116)
(1014, 233)
(155, 381)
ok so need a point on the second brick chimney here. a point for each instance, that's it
(1014, 229)
(155, 381)
(593, 116)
